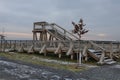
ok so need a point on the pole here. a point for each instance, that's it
(80, 61)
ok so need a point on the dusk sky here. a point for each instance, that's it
(102, 17)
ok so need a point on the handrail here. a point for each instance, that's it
(65, 30)
(53, 35)
(60, 32)
(94, 44)
(63, 34)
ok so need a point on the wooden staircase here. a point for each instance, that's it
(97, 54)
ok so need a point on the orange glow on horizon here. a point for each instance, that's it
(18, 35)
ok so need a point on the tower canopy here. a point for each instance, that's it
(43, 23)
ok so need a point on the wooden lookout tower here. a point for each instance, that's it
(39, 31)
(44, 31)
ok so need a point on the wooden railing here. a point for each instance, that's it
(65, 32)
(71, 45)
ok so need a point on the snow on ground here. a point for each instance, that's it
(15, 70)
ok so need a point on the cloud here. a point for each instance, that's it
(17, 35)
(100, 16)
(101, 35)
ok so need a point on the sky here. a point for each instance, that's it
(102, 17)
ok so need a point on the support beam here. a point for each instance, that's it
(58, 50)
(31, 49)
(101, 58)
(70, 49)
(43, 49)
(21, 49)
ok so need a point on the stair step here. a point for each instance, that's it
(111, 62)
(99, 56)
(91, 50)
(98, 53)
(108, 60)
(94, 51)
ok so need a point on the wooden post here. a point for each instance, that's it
(33, 31)
(50, 37)
(59, 55)
(3, 45)
(84, 53)
(102, 58)
(15, 45)
(0, 45)
(70, 49)
(111, 50)
(64, 34)
(25, 44)
(40, 37)
(45, 53)
(86, 58)
(46, 36)
(36, 36)
(21, 49)
(103, 45)
(72, 56)
(58, 50)
(118, 47)
(9, 44)
(31, 49)
(43, 49)
(80, 58)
